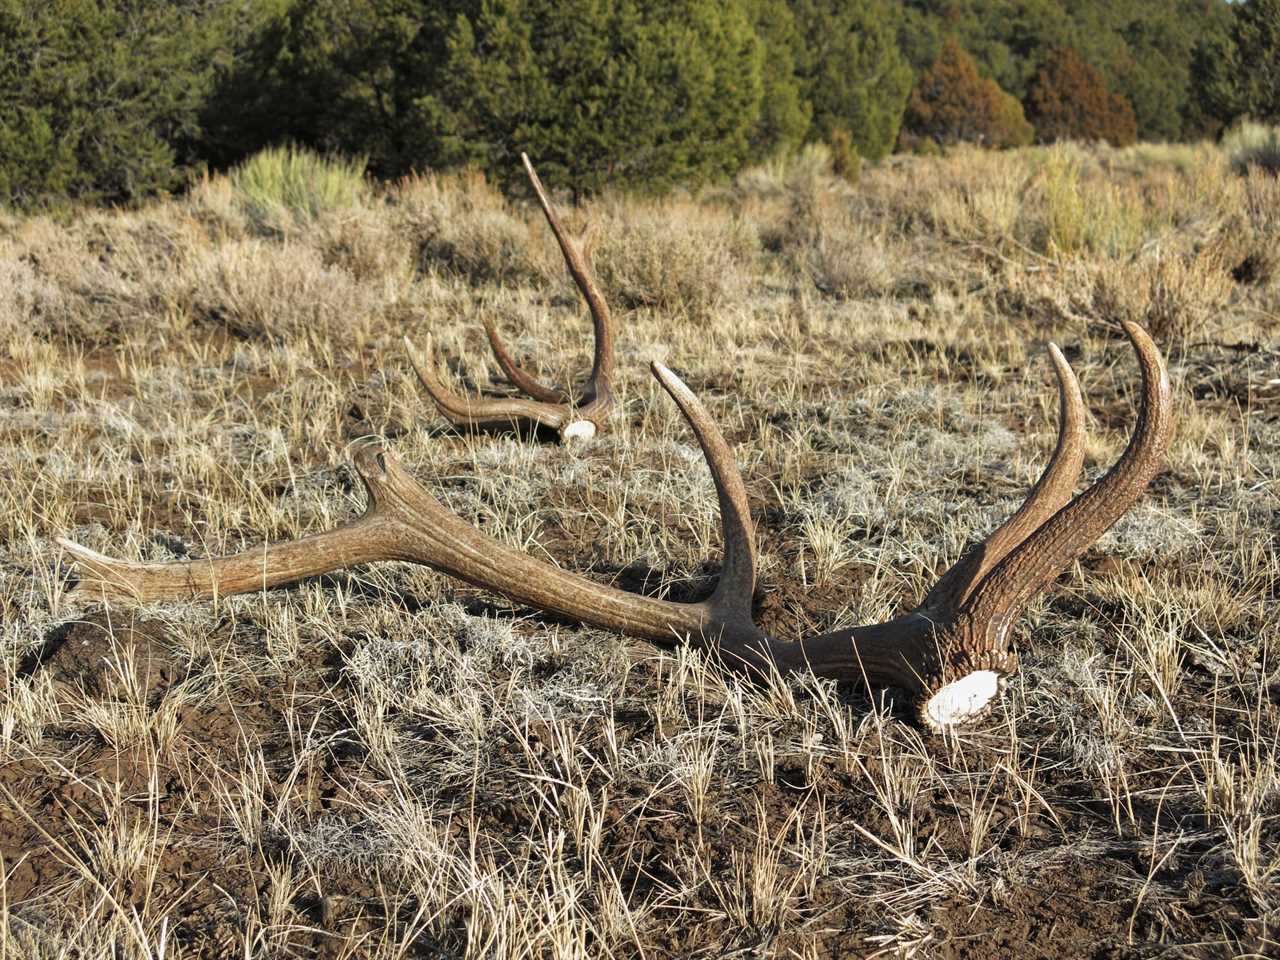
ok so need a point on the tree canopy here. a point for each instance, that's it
(1240, 69)
(1070, 101)
(115, 100)
(851, 71)
(600, 91)
(952, 102)
(100, 101)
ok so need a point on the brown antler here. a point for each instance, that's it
(949, 654)
(550, 407)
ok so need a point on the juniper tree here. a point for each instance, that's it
(853, 75)
(1241, 70)
(601, 91)
(1070, 101)
(953, 102)
(100, 100)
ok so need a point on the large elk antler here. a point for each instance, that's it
(573, 417)
(949, 654)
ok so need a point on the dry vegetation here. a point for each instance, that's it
(389, 764)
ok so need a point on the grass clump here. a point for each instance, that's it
(810, 167)
(678, 257)
(1064, 206)
(982, 201)
(1178, 298)
(461, 225)
(1252, 144)
(290, 186)
(1086, 212)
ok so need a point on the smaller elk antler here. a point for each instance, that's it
(573, 417)
(949, 654)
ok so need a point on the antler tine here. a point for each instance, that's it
(550, 406)
(515, 374)
(1038, 559)
(477, 412)
(1050, 493)
(971, 652)
(737, 583)
(357, 541)
(403, 521)
(577, 257)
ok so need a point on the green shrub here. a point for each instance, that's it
(1009, 124)
(290, 186)
(1251, 144)
(100, 101)
(1064, 206)
(846, 162)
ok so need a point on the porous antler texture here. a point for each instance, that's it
(580, 416)
(949, 654)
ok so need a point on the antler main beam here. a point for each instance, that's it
(949, 654)
(574, 417)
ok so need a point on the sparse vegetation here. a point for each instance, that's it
(387, 763)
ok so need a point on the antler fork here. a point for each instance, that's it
(573, 417)
(949, 654)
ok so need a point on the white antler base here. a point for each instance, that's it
(963, 698)
(578, 430)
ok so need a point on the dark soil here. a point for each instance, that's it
(1071, 897)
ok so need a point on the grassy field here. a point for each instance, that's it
(386, 763)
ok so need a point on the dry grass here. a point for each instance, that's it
(386, 763)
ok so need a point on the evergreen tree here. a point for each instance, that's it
(1241, 70)
(784, 113)
(1144, 49)
(952, 102)
(1070, 101)
(100, 100)
(1008, 39)
(336, 75)
(601, 91)
(597, 91)
(852, 73)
